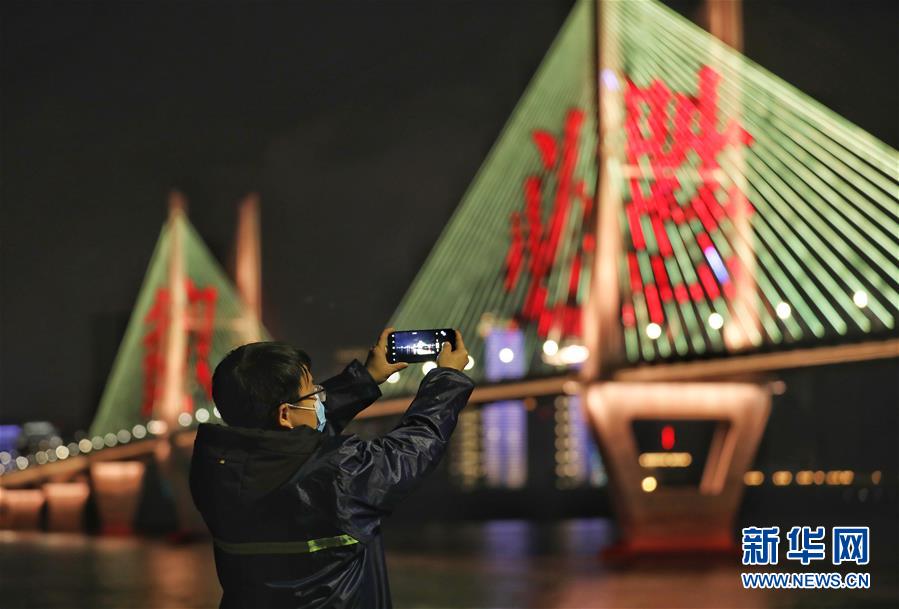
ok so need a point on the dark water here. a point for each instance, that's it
(501, 563)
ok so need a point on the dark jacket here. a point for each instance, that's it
(265, 494)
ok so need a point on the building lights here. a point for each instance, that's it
(860, 298)
(653, 330)
(609, 79)
(465, 458)
(97, 442)
(550, 347)
(216, 412)
(84, 445)
(502, 354)
(157, 427)
(139, 432)
(573, 354)
(716, 321)
(805, 477)
(5, 457)
(110, 439)
(574, 466)
(21, 462)
(202, 415)
(782, 478)
(665, 459)
(428, 366)
(470, 363)
(504, 428)
(753, 478)
(62, 452)
(783, 310)
(649, 484)
(394, 378)
(184, 419)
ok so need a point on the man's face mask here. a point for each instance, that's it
(320, 413)
(318, 392)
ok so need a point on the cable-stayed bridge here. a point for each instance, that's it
(660, 221)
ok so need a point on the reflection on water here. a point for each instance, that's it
(503, 563)
(76, 570)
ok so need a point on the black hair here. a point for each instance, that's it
(254, 379)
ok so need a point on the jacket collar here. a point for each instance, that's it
(265, 458)
(301, 440)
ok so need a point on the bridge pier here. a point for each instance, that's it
(65, 505)
(117, 489)
(173, 456)
(658, 511)
(20, 509)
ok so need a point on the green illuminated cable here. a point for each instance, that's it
(852, 137)
(476, 237)
(840, 294)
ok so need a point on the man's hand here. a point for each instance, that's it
(376, 363)
(450, 358)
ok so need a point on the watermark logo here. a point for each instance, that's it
(806, 544)
(760, 545)
(850, 544)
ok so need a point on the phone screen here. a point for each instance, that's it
(418, 345)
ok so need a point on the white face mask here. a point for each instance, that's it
(320, 413)
(319, 409)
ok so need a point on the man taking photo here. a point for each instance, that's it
(295, 507)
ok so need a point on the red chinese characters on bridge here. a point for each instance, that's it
(200, 318)
(535, 246)
(677, 191)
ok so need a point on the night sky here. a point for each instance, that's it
(360, 124)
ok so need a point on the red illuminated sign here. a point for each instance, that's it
(667, 438)
(673, 178)
(673, 145)
(534, 244)
(201, 322)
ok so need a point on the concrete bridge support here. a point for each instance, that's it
(65, 505)
(656, 516)
(20, 509)
(117, 490)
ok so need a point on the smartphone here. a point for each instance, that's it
(418, 345)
